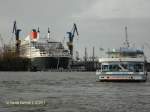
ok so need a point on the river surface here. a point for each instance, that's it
(70, 92)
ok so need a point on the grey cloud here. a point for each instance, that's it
(94, 19)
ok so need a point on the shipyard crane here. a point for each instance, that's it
(16, 32)
(71, 35)
(2, 46)
(2, 42)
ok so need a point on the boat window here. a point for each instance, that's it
(123, 67)
(111, 68)
(114, 68)
(138, 68)
(104, 68)
(131, 68)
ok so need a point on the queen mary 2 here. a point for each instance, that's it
(44, 53)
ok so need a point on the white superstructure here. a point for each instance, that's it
(33, 46)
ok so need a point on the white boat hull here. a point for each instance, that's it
(122, 77)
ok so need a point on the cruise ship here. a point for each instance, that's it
(44, 53)
(34, 53)
(123, 64)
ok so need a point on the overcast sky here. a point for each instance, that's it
(100, 22)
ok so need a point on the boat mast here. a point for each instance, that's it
(126, 41)
(93, 57)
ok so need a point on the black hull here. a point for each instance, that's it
(34, 64)
(14, 64)
(46, 63)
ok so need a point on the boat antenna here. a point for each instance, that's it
(126, 41)
(48, 35)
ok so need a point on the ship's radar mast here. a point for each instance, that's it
(126, 41)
